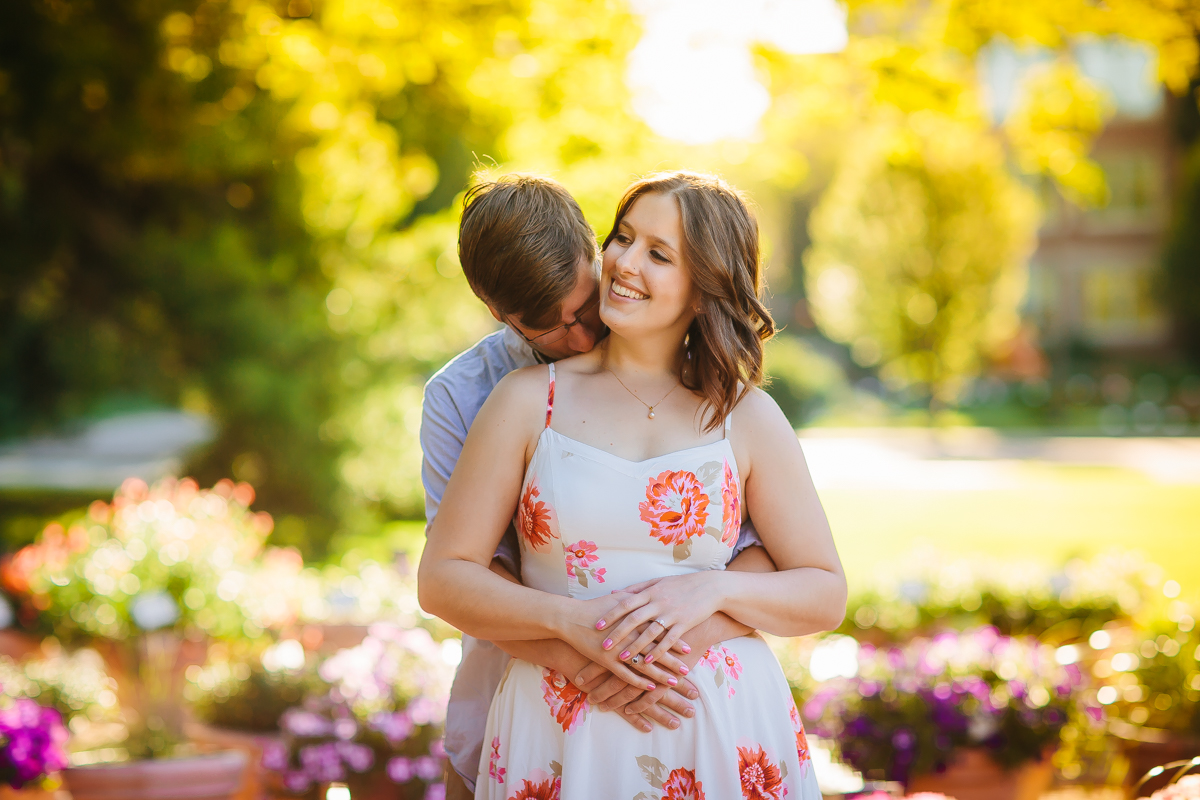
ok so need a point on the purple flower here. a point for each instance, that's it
(400, 769)
(396, 727)
(322, 763)
(345, 728)
(275, 756)
(903, 739)
(299, 722)
(297, 782)
(33, 740)
(427, 767)
(358, 757)
(436, 791)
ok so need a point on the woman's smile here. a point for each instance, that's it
(628, 292)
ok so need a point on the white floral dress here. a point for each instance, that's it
(590, 522)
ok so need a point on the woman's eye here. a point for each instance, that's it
(657, 256)
(623, 239)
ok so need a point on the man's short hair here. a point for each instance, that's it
(520, 242)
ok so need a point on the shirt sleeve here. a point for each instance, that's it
(747, 538)
(443, 433)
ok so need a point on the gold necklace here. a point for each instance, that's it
(649, 407)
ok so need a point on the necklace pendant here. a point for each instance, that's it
(651, 414)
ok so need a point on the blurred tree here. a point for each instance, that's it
(919, 248)
(1180, 286)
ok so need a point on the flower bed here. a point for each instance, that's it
(907, 710)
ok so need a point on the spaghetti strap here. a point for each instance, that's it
(550, 397)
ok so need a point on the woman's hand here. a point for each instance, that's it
(587, 637)
(667, 607)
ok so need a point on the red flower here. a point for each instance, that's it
(533, 518)
(567, 703)
(732, 510)
(546, 790)
(760, 778)
(681, 784)
(676, 506)
(801, 737)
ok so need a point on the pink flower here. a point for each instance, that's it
(710, 659)
(494, 770)
(732, 507)
(581, 554)
(733, 667)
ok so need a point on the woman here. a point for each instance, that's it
(628, 467)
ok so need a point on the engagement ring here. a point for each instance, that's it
(660, 622)
(635, 660)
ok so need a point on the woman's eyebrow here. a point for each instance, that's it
(661, 241)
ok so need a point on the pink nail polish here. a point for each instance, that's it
(672, 682)
(607, 644)
(683, 670)
(649, 687)
(686, 649)
(624, 655)
(600, 625)
(649, 659)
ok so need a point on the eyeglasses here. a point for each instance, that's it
(562, 331)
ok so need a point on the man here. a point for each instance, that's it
(530, 256)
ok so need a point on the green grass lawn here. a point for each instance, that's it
(1052, 514)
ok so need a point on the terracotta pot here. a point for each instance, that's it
(209, 739)
(9, 793)
(1154, 750)
(207, 777)
(974, 776)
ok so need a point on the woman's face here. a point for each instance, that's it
(646, 286)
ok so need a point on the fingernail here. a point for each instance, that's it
(693, 695)
(690, 712)
(607, 644)
(672, 682)
(645, 729)
(686, 649)
(649, 659)
(623, 655)
(579, 680)
(674, 723)
(649, 687)
(683, 670)
(600, 625)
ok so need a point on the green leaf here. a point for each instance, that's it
(653, 770)
(708, 473)
(682, 551)
(720, 676)
(782, 769)
(713, 532)
(556, 768)
(581, 574)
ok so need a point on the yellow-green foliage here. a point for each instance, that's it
(919, 247)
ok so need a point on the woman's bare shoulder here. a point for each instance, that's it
(758, 418)
(519, 394)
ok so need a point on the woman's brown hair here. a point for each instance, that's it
(724, 345)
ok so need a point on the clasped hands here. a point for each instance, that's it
(635, 641)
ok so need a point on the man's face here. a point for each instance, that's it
(580, 327)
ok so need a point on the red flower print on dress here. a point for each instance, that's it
(494, 770)
(681, 784)
(548, 789)
(568, 704)
(533, 518)
(760, 778)
(801, 740)
(676, 506)
(732, 506)
(579, 558)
